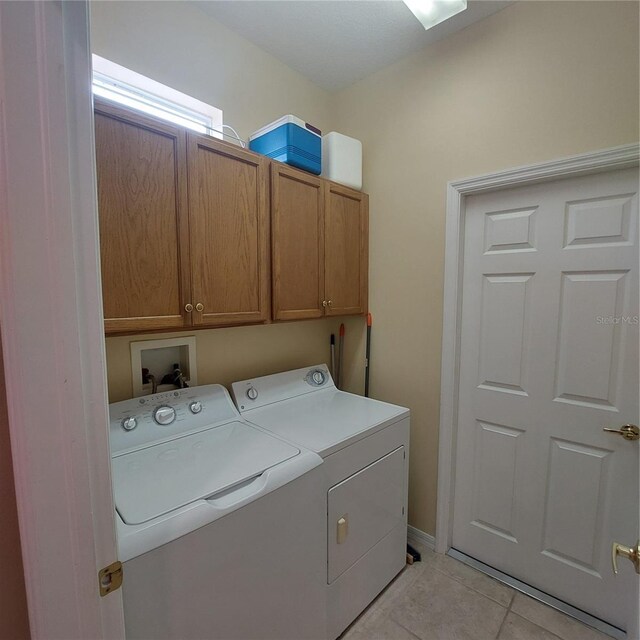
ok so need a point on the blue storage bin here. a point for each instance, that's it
(290, 140)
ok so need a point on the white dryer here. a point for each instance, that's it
(365, 446)
(218, 522)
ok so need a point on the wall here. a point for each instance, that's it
(181, 46)
(14, 622)
(534, 82)
(177, 44)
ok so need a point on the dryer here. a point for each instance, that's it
(219, 522)
(365, 447)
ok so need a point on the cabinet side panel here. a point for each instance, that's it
(138, 207)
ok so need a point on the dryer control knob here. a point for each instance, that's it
(129, 423)
(316, 378)
(164, 415)
(252, 393)
(195, 407)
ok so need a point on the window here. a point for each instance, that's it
(131, 89)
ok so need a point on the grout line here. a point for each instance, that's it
(506, 613)
(551, 633)
(464, 584)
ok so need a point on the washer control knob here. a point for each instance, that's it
(252, 393)
(195, 407)
(164, 415)
(129, 423)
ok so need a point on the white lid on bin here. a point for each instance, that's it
(286, 120)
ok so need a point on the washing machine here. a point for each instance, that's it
(219, 522)
(365, 447)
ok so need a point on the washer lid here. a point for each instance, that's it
(153, 481)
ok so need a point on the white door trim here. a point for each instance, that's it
(622, 157)
(51, 318)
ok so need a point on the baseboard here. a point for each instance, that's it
(417, 535)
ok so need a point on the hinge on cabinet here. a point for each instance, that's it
(402, 510)
(110, 578)
(404, 455)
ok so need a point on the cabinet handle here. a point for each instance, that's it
(342, 528)
(324, 303)
(199, 307)
(330, 303)
(188, 307)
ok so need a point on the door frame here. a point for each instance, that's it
(51, 317)
(622, 157)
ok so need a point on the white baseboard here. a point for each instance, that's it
(417, 535)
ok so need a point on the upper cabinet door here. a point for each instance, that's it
(346, 250)
(229, 229)
(297, 240)
(141, 168)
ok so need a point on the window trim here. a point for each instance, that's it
(134, 87)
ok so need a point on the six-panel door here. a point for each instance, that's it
(297, 243)
(229, 231)
(549, 357)
(142, 191)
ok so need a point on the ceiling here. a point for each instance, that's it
(334, 43)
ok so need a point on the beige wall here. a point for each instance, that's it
(237, 353)
(177, 44)
(14, 621)
(534, 82)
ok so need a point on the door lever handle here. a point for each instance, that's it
(627, 431)
(633, 553)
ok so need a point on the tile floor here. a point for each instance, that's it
(442, 599)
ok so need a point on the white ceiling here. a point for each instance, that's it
(334, 43)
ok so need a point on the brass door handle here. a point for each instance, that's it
(324, 303)
(627, 431)
(330, 303)
(199, 307)
(188, 307)
(633, 553)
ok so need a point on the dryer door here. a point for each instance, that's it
(363, 509)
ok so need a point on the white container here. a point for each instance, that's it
(342, 159)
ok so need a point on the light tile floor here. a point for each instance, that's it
(442, 599)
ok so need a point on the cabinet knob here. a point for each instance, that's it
(330, 302)
(324, 303)
(188, 307)
(199, 307)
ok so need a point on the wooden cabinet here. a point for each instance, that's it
(184, 226)
(297, 243)
(229, 228)
(346, 254)
(188, 236)
(319, 246)
(142, 200)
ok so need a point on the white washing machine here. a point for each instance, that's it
(219, 522)
(365, 446)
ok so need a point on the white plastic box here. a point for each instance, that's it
(342, 159)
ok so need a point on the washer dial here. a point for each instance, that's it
(129, 423)
(195, 407)
(252, 393)
(164, 415)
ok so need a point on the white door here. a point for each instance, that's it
(549, 356)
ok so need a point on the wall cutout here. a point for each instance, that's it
(156, 360)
